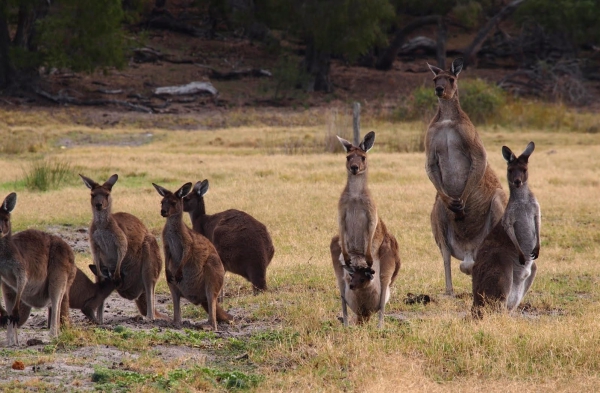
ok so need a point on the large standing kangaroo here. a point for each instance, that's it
(470, 199)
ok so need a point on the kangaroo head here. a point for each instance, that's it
(195, 199)
(517, 166)
(172, 202)
(356, 156)
(100, 195)
(446, 82)
(7, 206)
(360, 277)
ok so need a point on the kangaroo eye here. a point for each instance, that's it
(363, 158)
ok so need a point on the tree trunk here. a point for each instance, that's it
(6, 69)
(23, 25)
(318, 65)
(386, 60)
(441, 44)
(471, 51)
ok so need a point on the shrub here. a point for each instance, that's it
(46, 175)
(482, 101)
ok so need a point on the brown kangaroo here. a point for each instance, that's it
(364, 249)
(37, 270)
(192, 265)
(470, 200)
(243, 243)
(123, 249)
(504, 263)
(86, 295)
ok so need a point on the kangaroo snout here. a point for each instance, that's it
(98, 206)
(439, 91)
(354, 169)
(518, 183)
(163, 212)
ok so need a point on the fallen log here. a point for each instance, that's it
(255, 72)
(62, 99)
(189, 89)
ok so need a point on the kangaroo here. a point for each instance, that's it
(192, 265)
(364, 249)
(36, 269)
(243, 243)
(504, 263)
(470, 200)
(123, 249)
(86, 295)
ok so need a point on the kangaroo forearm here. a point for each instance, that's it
(513, 238)
(476, 174)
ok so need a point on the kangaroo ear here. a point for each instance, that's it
(434, 69)
(457, 66)
(347, 145)
(161, 190)
(184, 190)
(111, 181)
(9, 202)
(202, 188)
(528, 150)
(94, 270)
(368, 141)
(89, 182)
(508, 154)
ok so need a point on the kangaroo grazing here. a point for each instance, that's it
(364, 254)
(36, 269)
(192, 265)
(470, 200)
(243, 243)
(504, 264)
(123, 249)
(86, 295)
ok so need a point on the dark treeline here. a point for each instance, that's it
(83, 35)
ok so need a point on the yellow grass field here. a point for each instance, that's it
(283, 176)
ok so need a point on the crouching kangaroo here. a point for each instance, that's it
(123, 249)
(243, 243)
(36, 269)
(364, 254)
(504, 264)
(192, 265)
(86, 295)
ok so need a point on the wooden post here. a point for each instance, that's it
(356, 122)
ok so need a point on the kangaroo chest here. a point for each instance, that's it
(107, 243)
(356, 226)
(175, 244)
(525, 226)
(452, 157)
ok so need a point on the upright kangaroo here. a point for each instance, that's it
(124, 251)
(470, 200)
(192, 265)
(36, 269)
(364, 249)
(504, 264)
(243, 243)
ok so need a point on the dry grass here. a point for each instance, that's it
(429, 348)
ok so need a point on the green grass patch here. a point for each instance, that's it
(48, 175)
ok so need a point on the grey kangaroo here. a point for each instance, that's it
(364, 254)
(504, 264)
(123, 249)
(36, 269)
(192, 265)
(470, 200)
